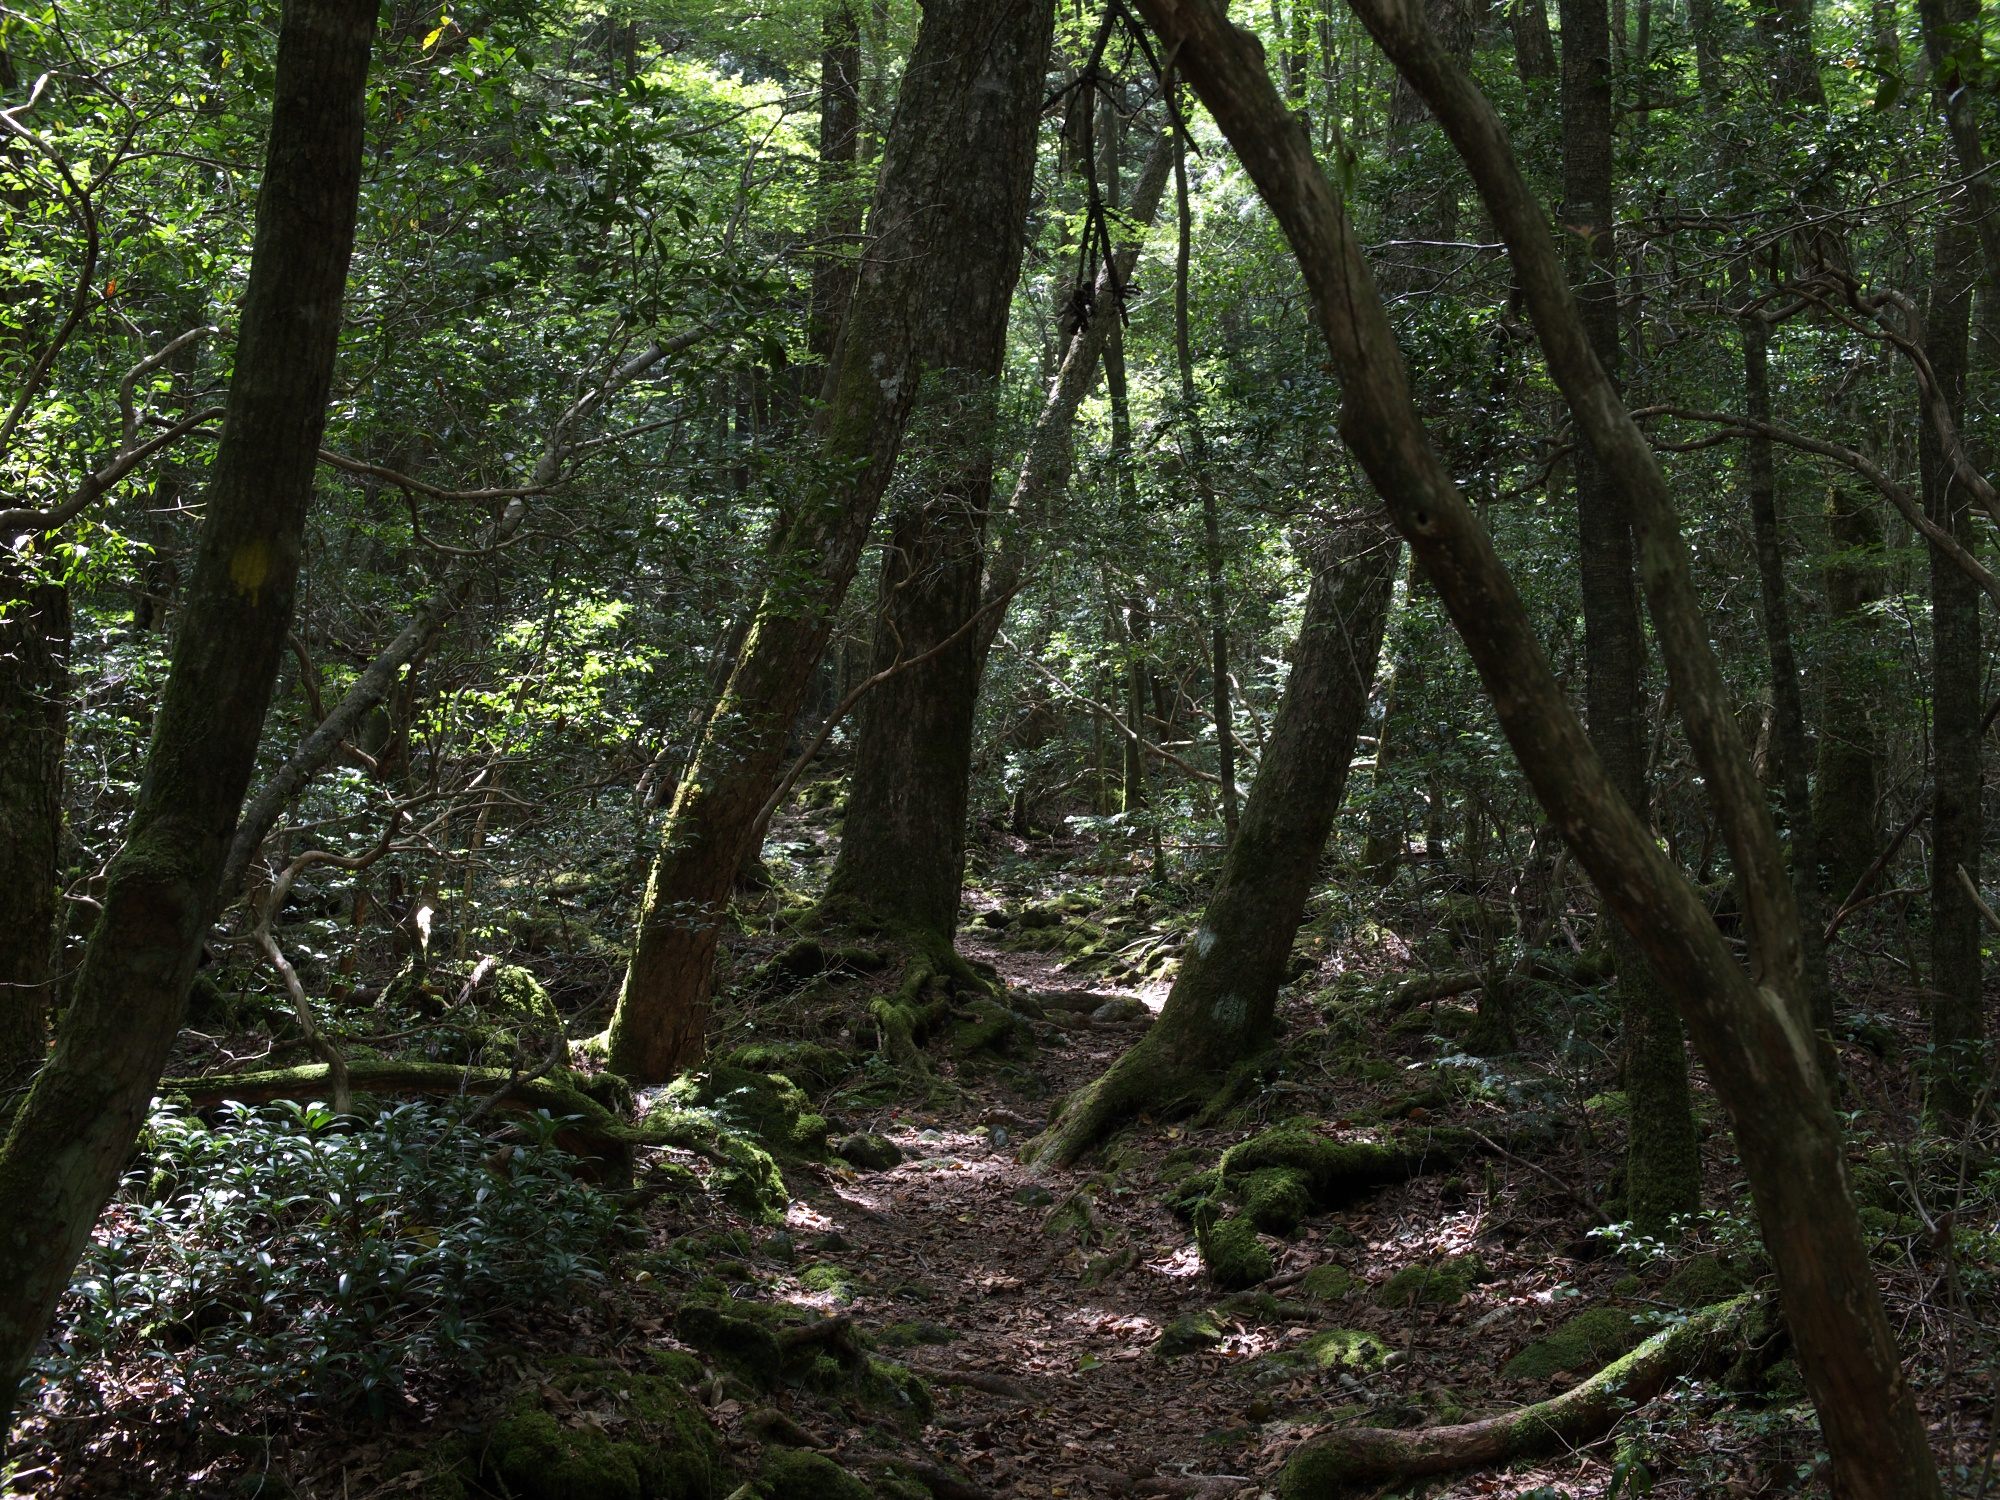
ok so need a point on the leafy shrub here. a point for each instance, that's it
(294, 1255)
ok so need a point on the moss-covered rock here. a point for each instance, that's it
(813, 1067)
(1233, 1255)
(987, 1026)
(743, 1174)
(1337, 1172)
(650, 1442)
(1350, 1349)
(1579, 1345)
(1439, 1284)
(1275, 1198)
(795, 1474)
(1328, 1283)
(832, 1280)
(768, 1107)
(1189, 1334)
(871, 1153)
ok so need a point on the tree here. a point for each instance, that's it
(1220, 1010)
(1753, 1033)
(943, 240)
(69, 1140)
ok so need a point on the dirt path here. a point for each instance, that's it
(1052, 1289)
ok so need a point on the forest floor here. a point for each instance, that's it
(1069, 1339)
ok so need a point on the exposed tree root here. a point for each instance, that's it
(1341, 1461)
(1143, 1079)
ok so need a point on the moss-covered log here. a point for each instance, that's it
(1340, 1462)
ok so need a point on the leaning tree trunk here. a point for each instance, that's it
(34, 699)
(945, 241)
(72, 1136)
(1752, 1031)
(1662, 1160)
(1957, 1071)
(1221, 1006)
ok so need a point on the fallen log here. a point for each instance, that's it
(1338, 1462)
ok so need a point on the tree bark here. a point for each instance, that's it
(34, 717)
(1662, 1163)
(1957, 1001)
(1847, 781)
(832, 282)
(945, 244)
(1221, 1006)
(1752, 1032)
(71, 1138)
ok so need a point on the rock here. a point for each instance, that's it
(656, 1445)
(1034, 1195)
(1122, 1011)
(1327, 1283)
(871, 1153)
(996, 919)
(781, 1248)
(1438, 1285)
(1346, 1349)
(1188, 1335)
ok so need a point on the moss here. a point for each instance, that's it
(741, 1344)
(1438, 1285)
(1189, 1334)
(657, 1446)
(871, 1153)
(1702, 1281)
(1350, 1349)
(1334, 1172)
(1234, 1256)
(896, 1390)
(812, 1067)
(1328, 1283)
(830, 1279)
(1613, 1106)
(767, 1106)
(1275, 1198)
(988, 1026)
(744, 1175)
(1582, 1344)
(794, 1474)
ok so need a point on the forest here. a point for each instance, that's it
(952, 749)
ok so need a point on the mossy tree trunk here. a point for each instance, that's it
(1662, 1162)
(34, 713)
(1221, 1006)
(944, 248)
(1847, 784)
(1751, 1027)
(73, 1134)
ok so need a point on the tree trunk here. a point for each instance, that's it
(1662, 1163)
(945, 248)
(1219, 1011)
(1957, 1021)
(71, 1139)
(1790, 748)
(1847, 785)
(839, 147)
(1752, 1033)
(34, 714)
